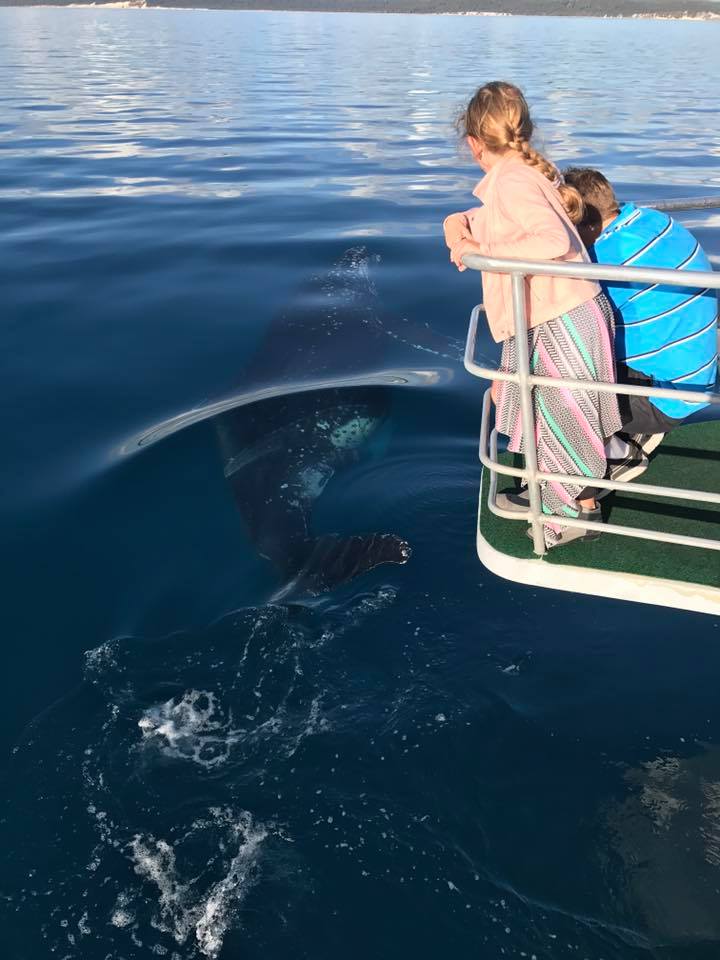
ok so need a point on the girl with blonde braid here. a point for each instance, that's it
(530, 214)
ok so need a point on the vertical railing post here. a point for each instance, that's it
(526, 410)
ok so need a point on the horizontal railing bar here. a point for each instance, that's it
(627, 389)
(506, 471)
(695, 279)
(624, 486)
(596, 386)
(599, 386)
(683, 203)
(645, 489)
(613, 528)
(638, 532)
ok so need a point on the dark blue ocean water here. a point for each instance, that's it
(205, 212)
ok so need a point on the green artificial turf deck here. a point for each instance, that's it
(689, 457)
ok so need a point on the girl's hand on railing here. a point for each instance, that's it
(456, 228)
(459, 249)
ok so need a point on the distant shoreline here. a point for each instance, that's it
(696, 10)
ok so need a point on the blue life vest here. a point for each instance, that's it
(668, 333)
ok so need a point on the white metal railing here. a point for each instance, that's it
(518, 271)
(684, 203)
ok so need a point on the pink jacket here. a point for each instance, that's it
(522, 216)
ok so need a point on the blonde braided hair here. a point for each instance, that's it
(499, 116)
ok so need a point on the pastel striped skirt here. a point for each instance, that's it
(571, 425)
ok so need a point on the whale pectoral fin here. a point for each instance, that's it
(332, 560)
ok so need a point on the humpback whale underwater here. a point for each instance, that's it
(280, 453)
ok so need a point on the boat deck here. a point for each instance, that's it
(626, 567)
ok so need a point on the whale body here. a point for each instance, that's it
(280, 453)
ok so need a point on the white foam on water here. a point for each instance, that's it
(195, 728)
(315, 723)
(121, 918)
(191, 728)
(101, 659)
(455, 349)
(201, 918)
(366, 605)
(229, 892)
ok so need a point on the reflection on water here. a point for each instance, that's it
(667, 834)
(241, 724)
(227, 105)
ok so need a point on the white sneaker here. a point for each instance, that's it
(569, 534)
(647, 441)
(626, 468)
(514, 501)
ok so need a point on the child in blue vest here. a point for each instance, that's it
(664, 336)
